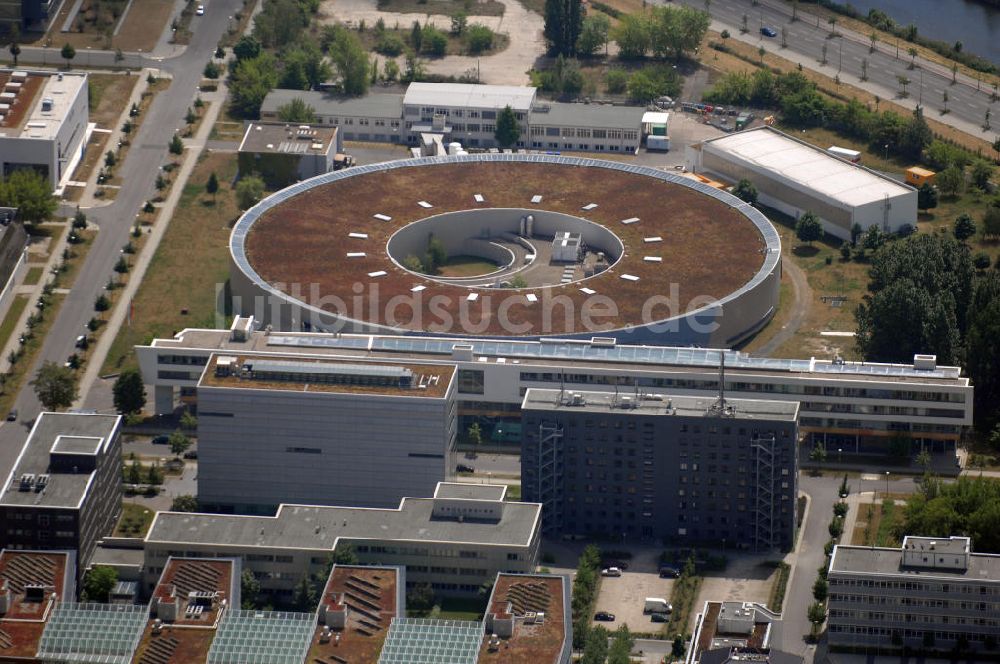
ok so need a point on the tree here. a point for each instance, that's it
(459, 21)
(416, 36)
(304, 596)
(190, 117)
(249, 589)
(345, 554)
(913, 57)
(563, 24)
(15, 43)
(134, 472)
(99, 582)
(964, 227)
(55, 386)
(186, 503)
(249, 191)
(746, 191)
(420, 597)
(155, 476)
(247, 48)
(622, 642)
(676, 30)
(595, 649)
(179, 443)
(508, 131)
(951, 181)
(31, 193)
(176, 145)
(818, 453)
(212, 186)
(982, 354)
(632, 34)
(475, 434)
(916, 136)
(616, 81)
(298, 111)
(129, 392)
(351, 62)
(250, 81)
(903, 82)
(981, 173)
(677, 648)
(816, 616)
(68, 53)
(927, 197)
(593, 34)
(101, 303)
(820, 589)
(808, 228)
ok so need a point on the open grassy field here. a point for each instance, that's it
(33, 275)
(466, 266)
(108, 95)
(876, 524)
(189, 264)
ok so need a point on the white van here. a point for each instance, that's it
(656, 605)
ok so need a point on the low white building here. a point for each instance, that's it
(794, 177)
(43, 122)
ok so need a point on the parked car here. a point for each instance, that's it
(12, 415)
(462, 468)
(660, 617)
(669, 572)
(613, 562)
(604, 616)
(611, 571)
(191, 454)
(200, 11)
(161, 440)
(768, 31)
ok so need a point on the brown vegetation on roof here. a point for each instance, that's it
(370, 596)
(530, 644)
(708, 248)
(21, 106)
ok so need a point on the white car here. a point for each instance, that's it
(611, 571)
(200, 11)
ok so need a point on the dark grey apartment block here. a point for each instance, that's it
(275, 430)
(665, 467)
(64, 491)
(931, 593)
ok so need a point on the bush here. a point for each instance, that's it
(212, 70)
(840, 510)
(479, 38)
(616, 80)
(390, 45)
(836, 528)
(433, 41)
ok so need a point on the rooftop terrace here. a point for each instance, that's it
(36, 581)
(533, 640)
(356, 608)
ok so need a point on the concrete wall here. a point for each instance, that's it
(260, 448)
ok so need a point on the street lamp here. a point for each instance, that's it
(840, 455)
(887, 484)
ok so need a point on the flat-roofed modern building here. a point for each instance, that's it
(284, 153)
(660, 466)
(321, 432)
(856, 406)
(43, 122)
(64, 491)
(933, 593)
(794, 177)
(456, 540)
(467, 114)
(731, 631)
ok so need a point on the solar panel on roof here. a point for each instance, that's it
(327, 368)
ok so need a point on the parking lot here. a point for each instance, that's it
(624, 596)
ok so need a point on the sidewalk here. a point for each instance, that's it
(193, 148)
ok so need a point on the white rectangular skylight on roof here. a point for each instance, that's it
(424, 204)
(652, 259)
(531, 297)
(537, 198)
(383, 217)
(630, 277)
(630, 220)
(355, 254)
(472, 297)
(377, 273)
(650, 240)
(358, 236)
(479, 198)
(417, 289)
(590, 206)
(587, 291)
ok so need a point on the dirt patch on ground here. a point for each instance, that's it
(706, 248)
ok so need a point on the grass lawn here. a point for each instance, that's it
(876, 524)
(513, 492)
(466, 266)
(13, 315)
(33, 275)
(135, 520)
(144, 25)
(18, 373)
(108, 95)
(445, 7)
(462, 608)
(781, 316)
(191, 262)
(226, 131)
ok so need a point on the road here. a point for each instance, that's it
(148, 153)
(844, 54)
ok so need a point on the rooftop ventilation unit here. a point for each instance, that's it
(27, 481)
(42, 482)
(47, 104)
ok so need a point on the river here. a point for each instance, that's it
(974, 24)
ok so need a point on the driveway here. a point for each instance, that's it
(509, 67)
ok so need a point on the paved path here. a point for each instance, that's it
(807, 36)
(508, 67)
(803, 300)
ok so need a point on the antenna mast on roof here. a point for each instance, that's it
(720, 404)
